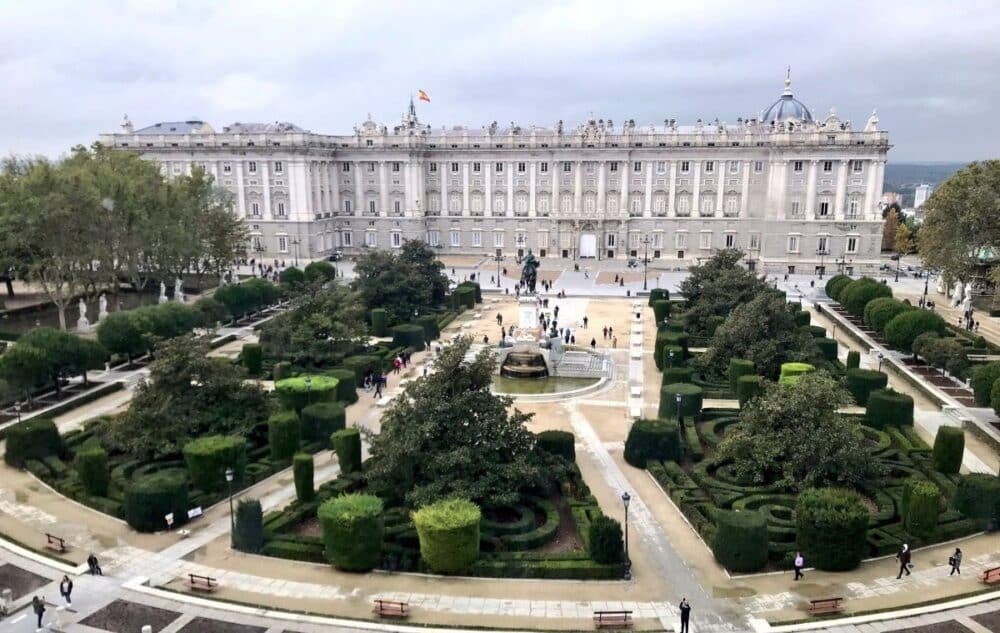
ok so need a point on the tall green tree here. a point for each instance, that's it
(318, 324)
(23, 367)
(716, 286)
(404, 283)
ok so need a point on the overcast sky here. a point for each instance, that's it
(70, 70)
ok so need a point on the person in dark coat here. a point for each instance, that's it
(66, 589)
(685, 607)
(956, 562)
(38, 605)
(904, 557)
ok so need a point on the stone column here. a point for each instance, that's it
(241, 194)
(383, 189)
(696, 188)
(444, 170)
(488, 179)
(841, 192)
(874, 212)
(554, 211)
(510, 189)
(745, 189)
(465, 189)
(720, 185)
(647, 207)
(602, 188)
(672, 195)
(811, 191)
(359, 189)
(870, 199)
(782, 188)
(623, 190)
(265, 177)
(335, 188)
(578, 189)
(532, 168)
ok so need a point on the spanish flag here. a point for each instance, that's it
(422, 96)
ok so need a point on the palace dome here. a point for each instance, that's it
(786, 107)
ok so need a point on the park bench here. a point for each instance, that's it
(607, 619)
(826, 605)
(991, 576)
(55, 543)
(202, 583)
(391, 608)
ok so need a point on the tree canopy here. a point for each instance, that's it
(318, 324)
(410, 280)
(715, 287)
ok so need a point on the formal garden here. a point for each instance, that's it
(790, 470)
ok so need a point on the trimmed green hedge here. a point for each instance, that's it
(886, 407)
(740, 544)
(430, 324)
(557, 443)
(249, 533)
(880, 311)
(283, 435)
(906, 326)
(856, 295)
(983, 378)
(606, 541)
(791, 373)
(347, 384)
(853, 359)
(835, 285)
(739, 367)
(149, 499)
(361, 364)
(749, 387)
(817, 331)
(949, 446)
(831, 528)
(301, 391)
(653, 439)
(861, 382)
(253, 358)
(802, 317)
(347, 445)
(829, 348)
(658, 294)
(36, 438)
(673, 375)
(303, 471)
(353, 526)
(380, 322)
(281, 370)
(661, 311)
(449, 534)
(207, 459)
(91, 463)
(921, 507)
(319, 421)
(690, 405)
(978, 496)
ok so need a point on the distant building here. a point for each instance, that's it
(890, 197)
(920, 195)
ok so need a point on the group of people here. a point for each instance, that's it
(904, 556)
(375, 380)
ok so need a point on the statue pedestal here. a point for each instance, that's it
(528, 312)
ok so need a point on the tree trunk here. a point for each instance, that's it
(62, 315)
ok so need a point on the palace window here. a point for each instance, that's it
(345, 167)
(477, 238)
(709, 166)
(684, 205)
(824, 208)
(793, 244)
(567, 166)
(371, 239)
(395, 207)
(637, 167)
(732, 205)
(477, 167)
(227, 168)
(347, 207)
(730, 240)
(852, 245)
(613, 166)
(797, 166)
(371, 207)
(498, 239)
(611, 240)
(543, 167)
(397, 239)
(282, 244)
(705, 241)
(456, 238)
(857, 166)
(661, 167)
(281, 210)
(589, 167)
(371, 167)
(252, 167)
(852, 208)
(395, 167)
(254, 208)
(521, 167)
(734, 167)
(795, 207)
(345, 238)
(278, 167)
(454, 168)
(433, 237)
(758, 166)
(827, 166)
(821, 248)
(499, 168)
(755, 241)
(685, 167)
(432, 167)
(680, 240)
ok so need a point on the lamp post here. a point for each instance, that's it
(881, 357)
(232, 519)
(680, 415)
(295, 242)
(499, 258)
(671, 358)
(309, 384)
(628, 561)
(927, 279)
(645, 261)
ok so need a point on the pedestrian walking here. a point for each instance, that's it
(95, 568)
(586, 275)
(39, 607)
(611, 331)
(555, 311)
(904, 556)
(572, 339)
(66, 589)
(593, 344)
(396, 364)
(378, 390)
(956, 562)
(614, 343)
(585, 322)
(799, 563)
(685, 614)
(604, 332)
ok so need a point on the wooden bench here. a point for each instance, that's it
(826, 605)
(391, 608)
(202, 583)
(55, 543)
(991, 576)
(607, 619)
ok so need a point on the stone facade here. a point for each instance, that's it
(794, 192)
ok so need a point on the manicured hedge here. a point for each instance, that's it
(606, 541)
(740, 544)
(859, 292)
(921, 507)
(303, 471)
(380, 322)
(430, 324)
(880, 311)
(738, 367)
(817, 331)
(361, 364)
(949, 446)
(249, 533)
(347, 445)
(347, 384)
(690, 405)
(983, 378)
(749, 387)
(299, 392)
(36, 438)
(282, 370)
(408, 335)
(861, 382)
(661, 311)
(995, 397)
(831, 528)
(253, 358)
(829, 348)
(791, 373)
(835, 284)
(978, 496)
(283, 435)
(906, 326)
(557, 443)
(676, 361)
(887, 407)
(853, 359)
(320, 270)
(658, 294)
(712, 323)
(666, 338)
(149, 499)
(653, 439)
(449, 534)
(319, 421)
(464, 297)
(802, 317)
(91, 463)
(353, 527)
(207, 459)
(676, 374)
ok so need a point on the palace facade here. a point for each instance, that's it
(795, 192)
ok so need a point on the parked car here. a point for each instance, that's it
(336, 257)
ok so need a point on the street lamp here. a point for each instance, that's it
(309, 384)
(232, 519)
(499, 258)
(628, 561)
(645, 260)
(671, 358)
(881, 357)
(680, 415)
(295, 242)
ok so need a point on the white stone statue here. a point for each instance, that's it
(956, 294)
(83, 323)
(222, 279)
(163, 292)
(967, 303)
(102, 304)
(178, 290)
(968, 292)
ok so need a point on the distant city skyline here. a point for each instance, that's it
(72, 70)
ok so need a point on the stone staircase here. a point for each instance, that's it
(575, 364)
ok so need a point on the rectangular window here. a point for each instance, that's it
(521, 168)
(252, 167)
(611, 240)
(433, 238)
(797, 166)
(254, 208)
(705, 241)
(680, 240)
(637, 167)
(824, 208)
(477, 167)
(685, 167)
(730, 240)
(278, 167)
(758, 166)
(345, 237)
(477, 238)
(455, 238)
(852, 209)
(498, 239)
(613, 165)
(589, 167)
(369, 143)
(347, 207)
(454, 168)
(371, 207)
(281, 209)
(821, 245)
(395, 167)
(857, 166)
(795, 207)
(395, 206)
(793, 244)
(567, 166)
(499, 168)
(371, 239)
(345, 167)
(709, 166)
(661, 167)
(543, 167)
(754, 241)
(227, 168)
(397, 239)
(852, 245)
(433, 167)
(282, 244)
(734, 167)
(371, 167)
(827, 165)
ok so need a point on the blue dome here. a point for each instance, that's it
(787, 107)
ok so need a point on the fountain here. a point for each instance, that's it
(525, 364)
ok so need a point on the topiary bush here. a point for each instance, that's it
(430, 324)
(835, 284)
(291, 277)
(949, 446)
(692, 396)
(983, 378)
(253, 358)
(802, 318)
(861, 382)
(37, 438)
(667, 338)
(353, 527)
(319, 420)
(712, 323)
(282, 370)
(91, 463)
(658, 294)
(283, 435)
(995, 396)
(817, 331)
(748, 388)
(301, 391)
(347, 445)
(347, 385)
(738, 367)
(320, 271)
(408, 335)
(362, 364)
(831, 525)
(149, 499)
(605, 540)
(449, 534)
(249, 533)
(906, 326)
(557, 443)
(880, 311)
(676, 361)
(676, 374)
(856, 295)
(303, 470)
(829, 348)
(653, 439)
(661, 311)
(207, 459)
(791, 373)
(740, 544)
(978, 496)
(853, 359)
(886, 407)
(380, 322)
(921, 507)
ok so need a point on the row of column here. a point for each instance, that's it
(777, 188)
